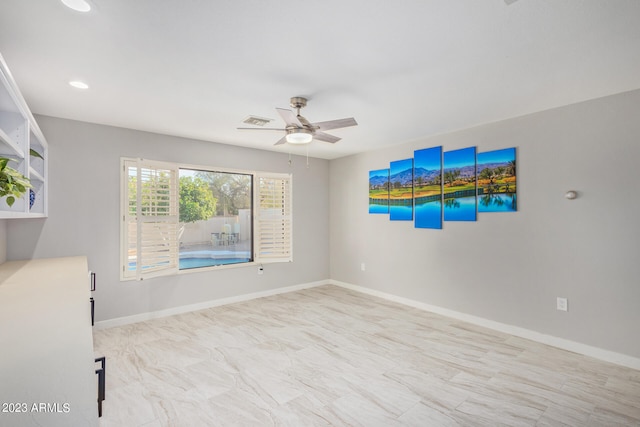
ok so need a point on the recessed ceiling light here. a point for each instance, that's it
(77, 5)
(78, 84)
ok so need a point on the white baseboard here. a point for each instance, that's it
(576, 347)
(120, 321)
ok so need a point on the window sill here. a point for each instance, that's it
(199, 270)
(218, 267)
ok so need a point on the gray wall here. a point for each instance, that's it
(510, 267)
(506, 267)
(84, 199)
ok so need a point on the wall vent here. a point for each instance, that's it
(257, 121)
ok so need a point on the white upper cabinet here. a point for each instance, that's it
(19, 134)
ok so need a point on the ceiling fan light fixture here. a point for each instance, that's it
(299, 136)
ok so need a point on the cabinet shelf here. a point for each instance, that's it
(33, 174)
(8, 147)
(19, 133)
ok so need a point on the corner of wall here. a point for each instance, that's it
(3, 240)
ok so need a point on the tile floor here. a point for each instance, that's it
(330, 356)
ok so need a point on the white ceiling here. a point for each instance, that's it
(405, 69)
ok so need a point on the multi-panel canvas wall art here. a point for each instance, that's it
(451, 186)
(427, 187)
(497, 181)
(379, 191)
(459, 179)
(401, 190)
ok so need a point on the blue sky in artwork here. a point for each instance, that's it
(497, 156)
(383, 173)
(459, 158)
(401, 166)
(428, 158)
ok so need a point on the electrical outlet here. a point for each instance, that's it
(362, 267)
(562, 304)
(260, 270)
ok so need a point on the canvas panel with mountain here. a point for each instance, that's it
(497, 181)
(459, 178)
(427, 187)
(379, 191)
(401, 190)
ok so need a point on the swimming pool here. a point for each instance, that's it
(187, 263)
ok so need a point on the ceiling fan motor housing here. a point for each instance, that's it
(298, 102)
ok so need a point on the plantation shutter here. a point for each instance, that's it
(273, 219)
(151, 221)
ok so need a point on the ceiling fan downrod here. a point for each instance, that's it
(298, 102)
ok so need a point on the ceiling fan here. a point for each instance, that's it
(299, 130)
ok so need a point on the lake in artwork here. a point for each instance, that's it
(460, 208)
(505, 202)
(401, 190)
(379, 191)
(427, 187)
(497, 181)
(459, 179)
(429, 215)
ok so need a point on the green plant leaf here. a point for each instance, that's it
(34, 153)
(13, 184)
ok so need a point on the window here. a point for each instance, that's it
(215, 218)
(177, 217)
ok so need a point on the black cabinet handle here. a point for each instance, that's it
(93, 310)
(101, 372)
(93, 281)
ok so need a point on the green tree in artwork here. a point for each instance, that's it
(451, 175)
(488, 174)
(196, 200)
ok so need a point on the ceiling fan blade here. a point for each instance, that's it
(278, 129)
(335, 124)
(321, 136)
(281, 140)
(289, 117)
